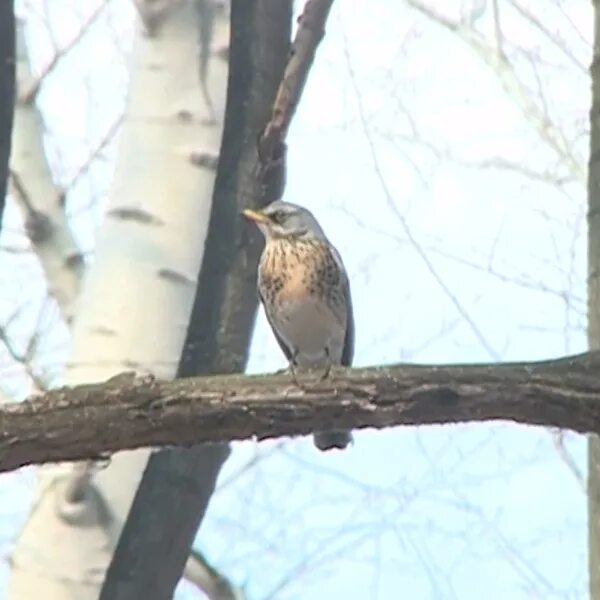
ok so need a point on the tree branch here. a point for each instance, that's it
(532, 110)
(204, 576)
(28, 95)
(271, 142)
(311, 29)
(41, 202)
(126, 412)
(7, 92)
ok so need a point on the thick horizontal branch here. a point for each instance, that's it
(127, 412)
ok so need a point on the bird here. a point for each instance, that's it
(305, 292)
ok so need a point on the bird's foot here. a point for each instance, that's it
(325, 374)
(293, 370)
(327, 370)
(313, 376)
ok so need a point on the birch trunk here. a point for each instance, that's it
(135, 306)
(177, 484)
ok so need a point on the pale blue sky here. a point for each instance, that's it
(395, 114)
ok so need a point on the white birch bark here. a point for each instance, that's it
(39, 198)
(136, 301)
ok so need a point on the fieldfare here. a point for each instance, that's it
(305, 292)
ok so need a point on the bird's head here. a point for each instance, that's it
(283, 219)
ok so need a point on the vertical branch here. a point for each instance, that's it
(594, 305)
(7, 92)
(311, 29)
(40, 200)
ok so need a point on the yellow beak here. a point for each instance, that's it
(255, 215)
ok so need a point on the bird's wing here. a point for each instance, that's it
(284, 347)
(348, 350)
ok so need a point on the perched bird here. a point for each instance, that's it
(305, 292)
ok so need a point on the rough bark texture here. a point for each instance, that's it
(129, 412)
(177, 484)
(311, 29)
(594, 306)
(169, 503)
(7, 91)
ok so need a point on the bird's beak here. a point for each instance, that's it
(255, 215)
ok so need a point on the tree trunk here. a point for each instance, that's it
(7, 91)
(594, 306)
(177, 484)
(136, 302)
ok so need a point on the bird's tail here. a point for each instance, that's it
(328, 440)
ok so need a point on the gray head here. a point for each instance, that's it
(283, 219)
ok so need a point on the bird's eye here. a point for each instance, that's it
(278, 217)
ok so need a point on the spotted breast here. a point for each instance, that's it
(303, 293)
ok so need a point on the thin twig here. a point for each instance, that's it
(104, 141)
(28, 95)
(212, 583)
(514, 87)
(462, 311)
(558, 438)
(24, 359)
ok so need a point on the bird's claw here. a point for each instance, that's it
(325, 373)
(310, 386)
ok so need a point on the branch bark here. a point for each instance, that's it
(594, 306)
(90, 421)
(271, 143)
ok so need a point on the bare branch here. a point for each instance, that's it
(40, 200)
(551, 36)
(311, 29)
(558, 440)
(203, 575)
(25, 359)
(28, 95)
(53, 241)
(404, 223)
(514, 87)
(100, 146)
(89, 421)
